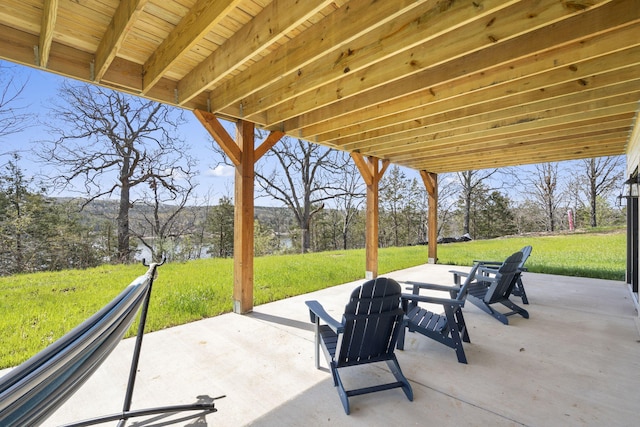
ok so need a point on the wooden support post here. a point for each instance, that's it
(243, 222)
(371, 171)
(431, 183)
(243, 154)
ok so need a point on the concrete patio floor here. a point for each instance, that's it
(576, 361)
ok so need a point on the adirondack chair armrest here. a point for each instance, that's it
(484, 270)
(432, 300)
(489, 267)
(316, 311)
(457, 275)
(495, 264)
(415, 286)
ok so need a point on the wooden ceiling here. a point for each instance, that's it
(439, 86)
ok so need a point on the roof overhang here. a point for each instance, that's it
(439, 86)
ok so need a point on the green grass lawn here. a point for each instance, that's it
(596, 255)
(39, 308)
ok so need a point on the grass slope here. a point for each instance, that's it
(36, 309)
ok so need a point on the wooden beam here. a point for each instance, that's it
(534, 114)
(490, 99)
(568, 118)
(565, 57)
(334, 32)
(267, 144)
(123, 20)
(501, 151)
(510, 22)
(221, 136)
(17, 46)
(125, 76)
(415, 88)
(379, 56)
(372, 171)
(68, 61)
(501, 147)
(430, 181)
(49, 16)
(596, 87)
(244, 154)
(550, 151)
(363, 167)
(204, 15)
(244, 222)
(275, 20)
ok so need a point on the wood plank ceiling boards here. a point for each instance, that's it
(437, 86)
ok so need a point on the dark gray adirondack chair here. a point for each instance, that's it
(367, 333)
(518, 289)
(31, 392)
(495, 286)
(448, 328)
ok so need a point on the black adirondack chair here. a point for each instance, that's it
(449, 327)
(518, 289)
(495, 286)
(31, 392)
(367, 333)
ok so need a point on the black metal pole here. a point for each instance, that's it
(138, 345)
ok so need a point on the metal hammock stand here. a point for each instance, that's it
(33, 391)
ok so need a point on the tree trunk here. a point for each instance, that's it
(123, 214)
(345, 235)
(594, 220)
(19, 267)
(593, 193)
(306, 238)
(305, 224)
(466, 187)
(467, 213)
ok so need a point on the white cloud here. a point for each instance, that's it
(221, 171)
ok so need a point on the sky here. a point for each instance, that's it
(41, 88)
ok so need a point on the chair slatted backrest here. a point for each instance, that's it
(31, 392)
(526, 251)
(506, 278)
(464, 289)
(373, 319)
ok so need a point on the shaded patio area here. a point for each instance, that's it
(576, 361)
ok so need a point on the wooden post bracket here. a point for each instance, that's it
(372, 169)
(243, 154)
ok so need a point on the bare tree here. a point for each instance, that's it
(601, 175)
(161, 227)
(394, 197)
(546, 191)
(307, 175)
(351, 201)
(470, 182)
(447, 191)
(110, 143)
(198, 236)
(446, 202)
(14, 117)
